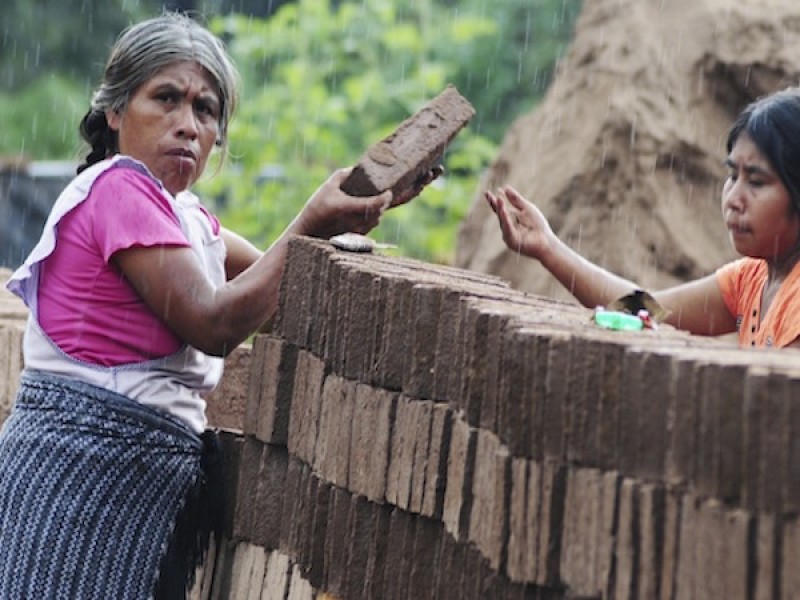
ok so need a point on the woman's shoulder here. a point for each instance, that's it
(743, 268)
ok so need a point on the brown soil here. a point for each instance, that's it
(624, 155)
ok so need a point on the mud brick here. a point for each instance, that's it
(232, 449)
(244, 555)
(607, 456)
(552, 495)
(731, 437)
(436, 469)
(401, 456)
(477, 331)
(399, 555)
(341, 466)
(518, 397)
(276, 578)
(376, 564)
(472, 581)
(556, 400)
(585, 374)
(427, 536)
(582, 519)
(790, 558)
(520, 539)
(300, 542)
(631, 399)
(774, 442)
(493, 355)
(688, 572)
(294, 506)
(335, 426)
(458, 490)
(456, 373)
(362, 524)
(791, 482)
(299, 588)
(672, 524)
(226, 403)
(734, 564)
(295, 309)
(336, 538)
(607, 529)
(705, 482)
(395, 345)
(450, 562)
(305, 406)
(650, 546)
(483, 492)
(261, 354)
(271, 387)
(246, 505)
(763, 440)
(399, 160)
(420, 365)
(269, 490)
(497, 539)
(337, 315)
(363, 327)
(373, 417)
(320, 495)
(220, 586)
(627, 550)
(654, 411)
(320, 302)
(422, 456)
(447, 347)
(683, 434)
(767, 556)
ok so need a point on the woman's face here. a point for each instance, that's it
(756, 208)
(171, 124)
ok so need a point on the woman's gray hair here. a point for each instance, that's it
(140, 53)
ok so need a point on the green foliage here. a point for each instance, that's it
(323, 79)
(320, 85)
(71, 37)
(42, 120)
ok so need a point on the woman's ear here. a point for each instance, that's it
(114, 118)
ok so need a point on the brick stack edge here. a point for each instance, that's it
(416, 431)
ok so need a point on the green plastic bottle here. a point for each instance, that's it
(612, 319)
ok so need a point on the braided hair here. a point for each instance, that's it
(140, 53)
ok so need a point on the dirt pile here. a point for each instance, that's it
(624, 155)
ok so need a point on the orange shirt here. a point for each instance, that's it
(742, 283)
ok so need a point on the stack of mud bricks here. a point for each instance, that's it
(12, 324)
(417, 431)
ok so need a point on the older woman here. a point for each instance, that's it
(757, 295)
(136, 292)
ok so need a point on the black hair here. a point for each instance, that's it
(773, 123)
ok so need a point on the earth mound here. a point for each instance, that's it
(624, 154)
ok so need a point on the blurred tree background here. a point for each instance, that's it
(322, 80)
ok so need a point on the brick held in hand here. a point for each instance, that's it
(403, 158)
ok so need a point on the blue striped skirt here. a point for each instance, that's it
(91, 486)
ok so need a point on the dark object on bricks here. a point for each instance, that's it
(402, 159)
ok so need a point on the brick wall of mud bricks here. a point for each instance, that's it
(12, 324)
(416, 431)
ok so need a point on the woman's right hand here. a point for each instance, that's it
(330, 211)
(525, 229)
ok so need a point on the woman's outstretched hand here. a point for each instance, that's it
(525, 229)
